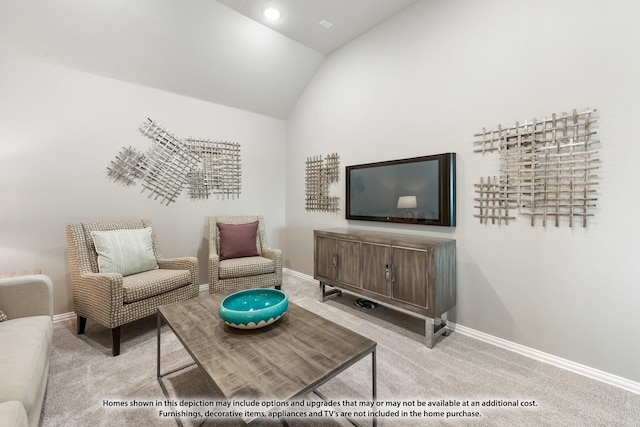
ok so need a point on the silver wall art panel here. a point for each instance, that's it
(218, 171)
(170, 165)
(548, 170)
(321, 173)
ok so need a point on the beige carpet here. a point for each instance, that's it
(89, 387)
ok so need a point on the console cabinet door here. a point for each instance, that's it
(348, 262)
(325, 264)
(376, 263)
(410, 276)
(338, 259)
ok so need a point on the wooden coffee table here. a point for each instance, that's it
(284, 361)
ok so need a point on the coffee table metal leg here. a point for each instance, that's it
(161, 375)
(374, 384)
(158, 327)
(374, 390)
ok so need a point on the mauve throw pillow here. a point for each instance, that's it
(237, 240)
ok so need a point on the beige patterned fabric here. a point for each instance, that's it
(113, 300)
(148, 284)
(242, 273)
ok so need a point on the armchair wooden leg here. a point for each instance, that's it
(115, 341)
(81, 322)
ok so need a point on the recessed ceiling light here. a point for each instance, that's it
(271, 13)
(326, 24)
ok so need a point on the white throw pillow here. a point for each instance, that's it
(124, 251)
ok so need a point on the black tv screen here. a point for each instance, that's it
(418, 190)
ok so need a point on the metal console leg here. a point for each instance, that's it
(434, 328)
(324, 293)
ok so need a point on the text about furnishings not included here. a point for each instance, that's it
(345, 408)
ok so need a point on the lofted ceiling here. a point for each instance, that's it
(322, 25)
(219, 51)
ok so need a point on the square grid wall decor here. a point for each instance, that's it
(547, 170)
(203, 166)
(320, 174)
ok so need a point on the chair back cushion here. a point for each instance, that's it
(237, 240)
(85, 256)
(214, 234)
(125, 251)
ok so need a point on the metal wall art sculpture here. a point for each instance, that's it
(205, 167)
(320, 174)
(547, 170)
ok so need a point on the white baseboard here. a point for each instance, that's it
(63, 316)
(299, 275)
(532, 353)
(559, 362)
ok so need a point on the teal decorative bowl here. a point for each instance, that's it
(253, 308)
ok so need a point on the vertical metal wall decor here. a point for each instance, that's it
(205, 167)
(547, 170)
(218, 170)
(320, 174)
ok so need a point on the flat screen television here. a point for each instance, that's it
(418, 190)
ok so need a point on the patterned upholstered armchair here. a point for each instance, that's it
(239, 256)
(118, 274)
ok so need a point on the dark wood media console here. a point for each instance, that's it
(413, 273)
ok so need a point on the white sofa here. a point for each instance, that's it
(25, 347)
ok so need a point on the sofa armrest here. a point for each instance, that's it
(276, 256)
(272, 254)
(23, 296)
(13, 414)
(99, 296)
(182, 263)
(214, 263)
